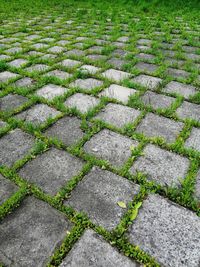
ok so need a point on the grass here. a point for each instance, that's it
(97, 21)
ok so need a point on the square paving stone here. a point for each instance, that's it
(5, 76)
(144, 56)
(117, 63)
(17, 63)
(176, 73)
(38, 114)
(56, 49)
(7, 189)
(118, 92)
(168, 232)
(152, 83)
(110, 146)
(197, 186)
(12, 102)
(118, 115)
(75, 52)
(194, 139)
(116, 75)
(92, 250)
(14, 146)
(31, 233)
(89, 69)
(39, 46)
(156, 126)
(14, 50)
(82, 102)
(157, 100)
(96, 57)
(51, 170)
(86, 84)
(185, 90)
(95, 196)
(63, 75)
(69, 63)
(3, 124)
(189, 110)
(146, 67)
(161, 166)
(37, 68)
(50, 91)
(67, 129)
(25, 82)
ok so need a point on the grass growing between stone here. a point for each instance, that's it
(98, 90)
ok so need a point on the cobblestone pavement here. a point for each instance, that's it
(99, 141)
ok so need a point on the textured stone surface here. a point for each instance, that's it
(25, 82)
(157, 100)
(51, 170)
(117, 63)
(110, 146)
(168, 232)
(17, 63)
(185, 90)
(87, 84)
(189, 110)
(2, 124)
(89, 69)
(161, 166)
(194, 139)
(146, 67)
(118, 92)
(156, 126)
(118, 115)
(92, 250)
(69, 63)
(67, 129)
(150, 82)
(12, 102)
(5, 76)
(37, 68)
(29, 235)
(38, 114)
(14, 145)
(62, 75)
(82, 102)
(95, 196)
(7, 189)
(50, 91)
(197, 186)
(176, 73)
(116, 75)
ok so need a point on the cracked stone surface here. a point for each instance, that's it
(95, 196)
(159, 225)
(51, 170)
(156, 126)
(154, 163)
(118, 115)
(34, 227)
(110, 146)
(92, 250)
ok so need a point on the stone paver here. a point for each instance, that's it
(7, 189)
(37, 68)
(82, 102)
(194, 140)
(167, 232)
(2, 124)
(51, 170)
(110, 146)
(180, 88)
(50, 91)
(152, 83)
(118, 92)
(89, 69)
(189, 111)
(156, 126)
(162, 166)
(197, 186)
(14, 146)
(91, 250)
(12, 102)
(69, 63)
(95, 196)
(62, 75)
(31, 233)
(5, 76)
(68, 130)
(38, 114)
(116, 75)
(118, 115)
(87, 84)
(157, 100)
(17, 63)
(24, 82)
